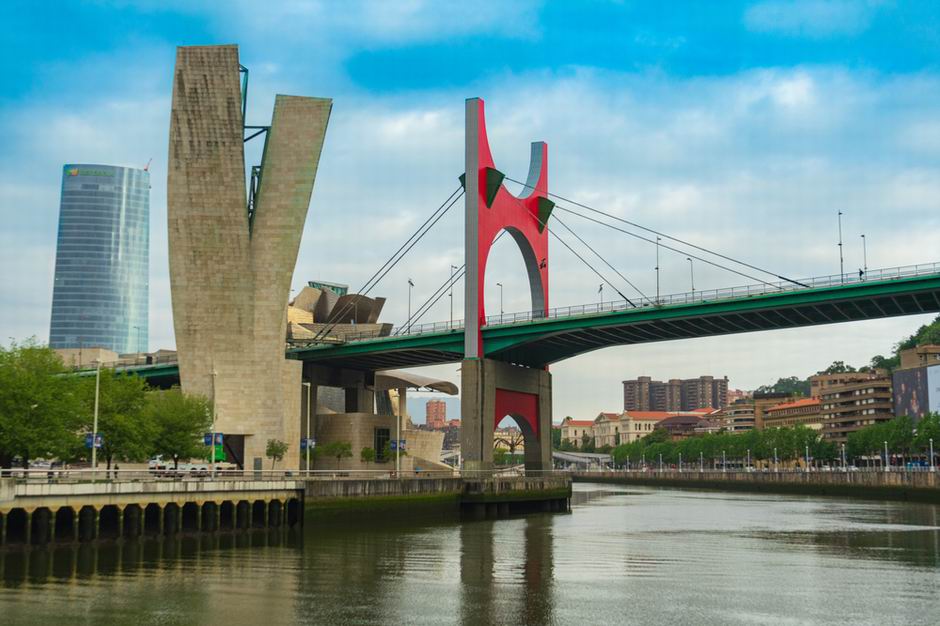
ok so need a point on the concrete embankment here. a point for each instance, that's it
(912, 486)
(451, 492)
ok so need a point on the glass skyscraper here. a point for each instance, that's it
(100, 297)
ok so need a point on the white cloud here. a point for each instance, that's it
(811, 18)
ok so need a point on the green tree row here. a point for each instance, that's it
(900, 435)
(45, 413)
(789, 443)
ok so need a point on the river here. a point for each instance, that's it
(622, 556)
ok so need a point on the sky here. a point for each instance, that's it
(744, 127)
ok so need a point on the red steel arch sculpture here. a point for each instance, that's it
(491, 390)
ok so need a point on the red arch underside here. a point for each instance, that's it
(520, 405)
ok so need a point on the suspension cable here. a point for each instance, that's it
(392, 261)
(689, 254)
(676, 239)
(435, 297)
(583, 260)
(598, 255)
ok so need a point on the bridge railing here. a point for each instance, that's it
(690, 297)
(186, 475)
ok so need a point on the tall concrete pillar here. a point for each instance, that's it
(492, 390)
(231, 263)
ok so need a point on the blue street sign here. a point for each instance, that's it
(99, 440)
(307, 443)
(393, 445)
(207, 439)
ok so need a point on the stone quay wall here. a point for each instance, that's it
(899, 485)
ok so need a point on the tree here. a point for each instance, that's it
(587, 443)
(556, 438)
(792, 386)
(126, 432)
(179, 421)
(275, 450)
(336, 449)
(367, 455)
(39, 406)
(838, 367)
(928, 428)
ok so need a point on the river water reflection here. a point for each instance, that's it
(624, 555)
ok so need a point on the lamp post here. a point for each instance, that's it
(657, 270)
(932, 468)
(212, 442)
(644, 461)
(841, 261)
(411, 285)
(691, 275)
(775, 460)
(748, 460)
(806, 459)
(724, 466)
(500, 285)
(94, 425)
(660, 462)
(887, 459)
(452, 268)
(600, 294)
(844, 466)
(701, 462)
(864, 256)
(680, 462)
(137, 328)
(307, 430)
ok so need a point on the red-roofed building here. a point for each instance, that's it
(573, 431)
(638, 424)
(805, 411)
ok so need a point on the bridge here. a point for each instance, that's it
(504, 359)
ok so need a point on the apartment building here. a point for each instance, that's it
(805, 412)
(645, 394)
(854, 405)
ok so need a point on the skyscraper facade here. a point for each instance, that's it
(100, 297)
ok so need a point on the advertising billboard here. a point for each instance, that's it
(910, 392)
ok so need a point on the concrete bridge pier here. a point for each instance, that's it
(492, 390)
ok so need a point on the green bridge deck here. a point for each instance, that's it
(540, 342)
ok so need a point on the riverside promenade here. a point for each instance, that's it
(921, 486)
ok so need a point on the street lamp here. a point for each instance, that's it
(452, 268)
(691, 275)
(94, 426)
(657, 270)
(841, 262)
(724, 466)
(932, 468)
(660, 462)
(411, 285)
(137, 328)
(844, 467)
(775, 460)
(215, 375)
(887, 459)
(500, 285)
(864, 256)
(701, 462)
(600, 292)
(806, 459)
(680, 462)
(307, 431)
(748, 459)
